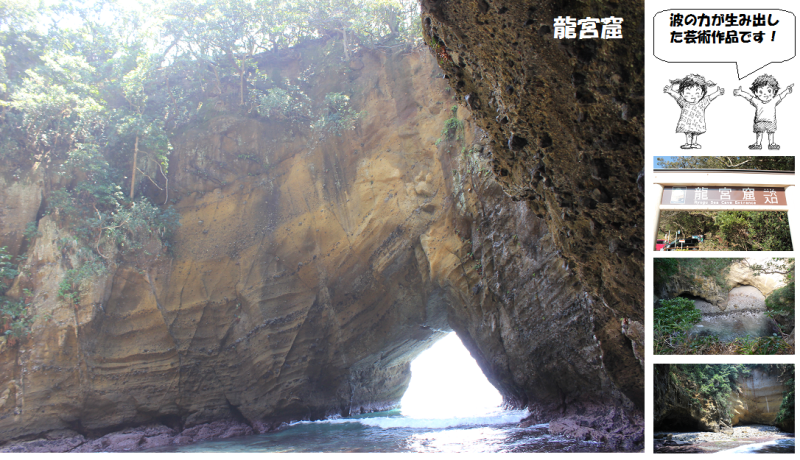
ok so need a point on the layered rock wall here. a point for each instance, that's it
(298, 286)
(520, 299)
(758, 399)
(20, 204)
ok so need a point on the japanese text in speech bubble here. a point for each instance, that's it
(752, 38)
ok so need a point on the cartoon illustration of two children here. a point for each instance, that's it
(693, 98)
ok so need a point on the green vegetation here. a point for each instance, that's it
(711, 345)
(31, 231)
(453, 127)
(672, 322)
(716, 269)
(69, 289)
(664, 269)
(15, 318)
(780, 303)
(338, 116)
(7, 268)
(731, 230)
(785, 418)
(713, 382)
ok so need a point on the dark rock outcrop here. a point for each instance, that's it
(564, 121)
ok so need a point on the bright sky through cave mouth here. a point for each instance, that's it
(446, 382)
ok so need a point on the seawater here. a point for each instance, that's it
(391, 431)
(778, 446)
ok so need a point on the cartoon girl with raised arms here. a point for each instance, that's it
(693, 98)
(765, 98)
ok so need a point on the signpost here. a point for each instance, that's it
(722, 190)
(724, 195)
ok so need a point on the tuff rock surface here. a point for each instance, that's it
(298, 286)
(565, 123)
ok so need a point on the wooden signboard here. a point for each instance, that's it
(724, 196)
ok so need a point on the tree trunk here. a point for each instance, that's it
(344, 41)
(133, 174)
(241, 82)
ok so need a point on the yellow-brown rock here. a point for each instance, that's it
(298, 286)
(758, 399)
(741, 274)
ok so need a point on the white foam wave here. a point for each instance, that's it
(499, 418)
(752, 448)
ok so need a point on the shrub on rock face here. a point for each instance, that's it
(15, 319)
(780, 303)
(785, 418)
(7, 268)
(673, 318)
(676, 315)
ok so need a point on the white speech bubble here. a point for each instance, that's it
(725, 35)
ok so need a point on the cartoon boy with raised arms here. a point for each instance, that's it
(693, 98)
(765, 89)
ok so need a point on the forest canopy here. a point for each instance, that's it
(138, 70)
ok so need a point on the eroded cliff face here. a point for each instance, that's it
(755, 400)
(565, 123)
(309, 271)
(707, 287)
(20, 204)
(544, 341)
(758, 399)
(298, 286)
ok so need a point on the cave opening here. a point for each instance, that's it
(679, 419)
(690, 296)
(446, 382)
